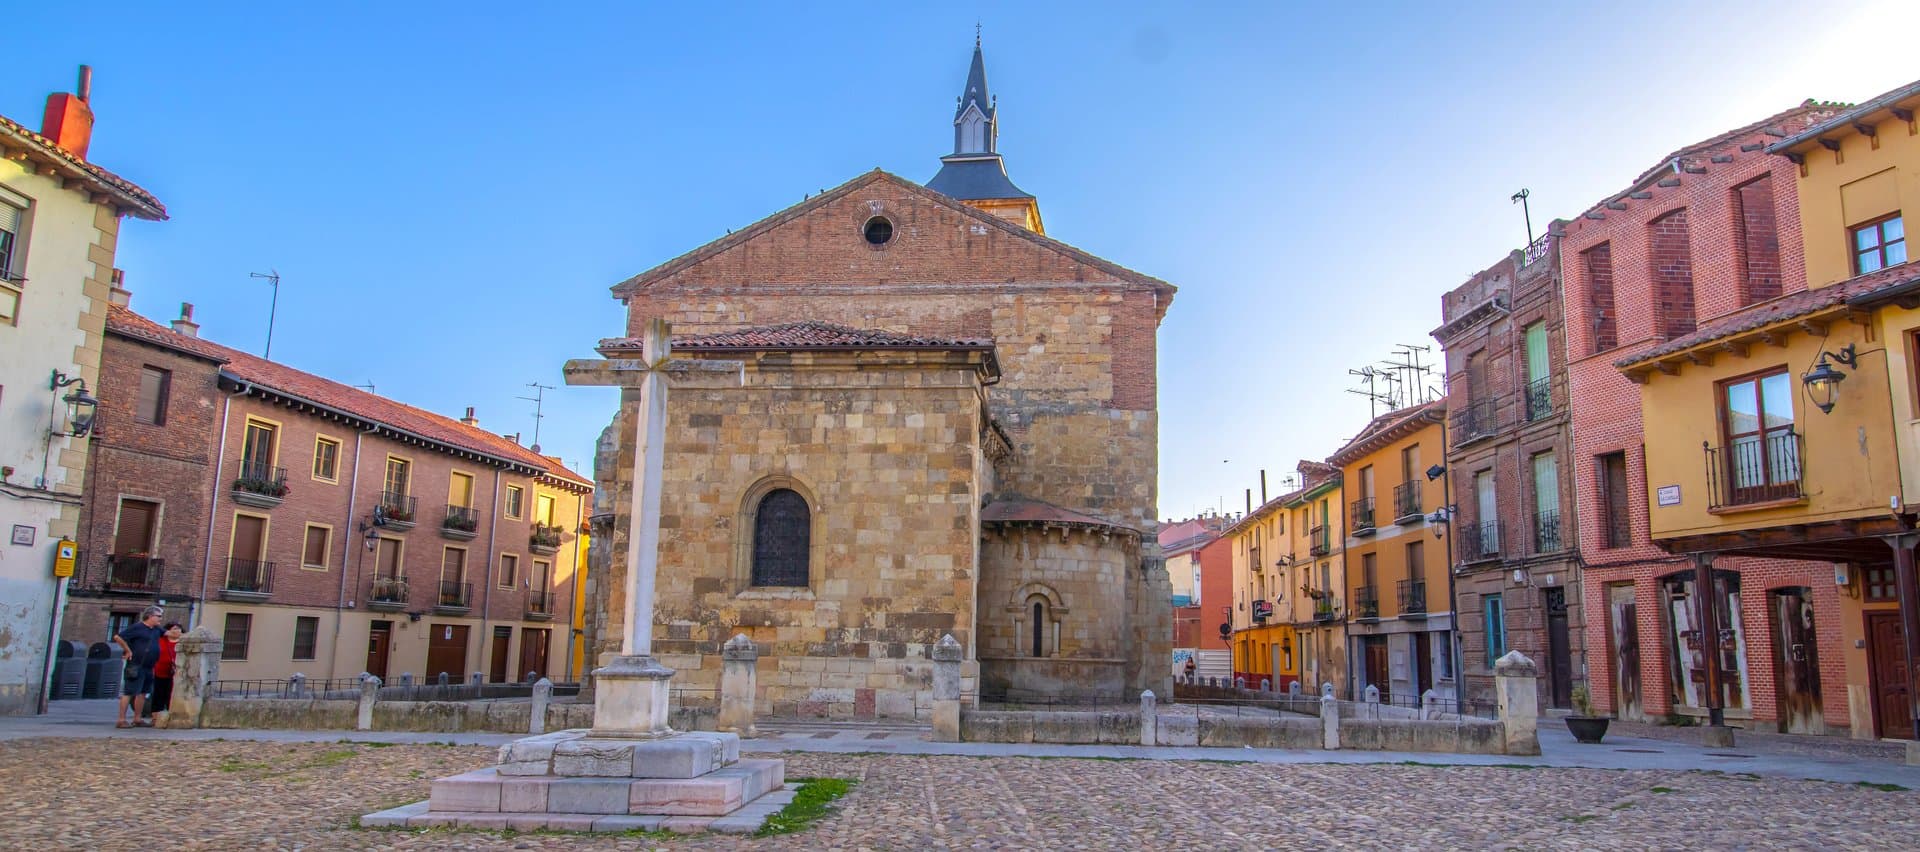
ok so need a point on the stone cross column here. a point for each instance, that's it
(537, 712)
(196, 665)
(369, 695)
(946, 689)
(739, 661)
(1514, 680)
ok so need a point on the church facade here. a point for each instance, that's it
(943, 421)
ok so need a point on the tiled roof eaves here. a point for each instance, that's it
(129, 194)
(1846, 119)
(1788, 308)
(1665, 165)
(1381, 433)
(120, 326)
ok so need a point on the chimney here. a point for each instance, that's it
(470, 420)
(68, 120)
(185, 324)
(118, 293)
(511, 436)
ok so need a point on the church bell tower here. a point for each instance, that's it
(974, 172)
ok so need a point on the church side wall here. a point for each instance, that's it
(1078, 579)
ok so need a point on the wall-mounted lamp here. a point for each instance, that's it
(80, 405)
(1435, 472)
(1823, 381)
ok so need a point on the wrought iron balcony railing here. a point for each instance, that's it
(545, 539)
(1540, 398)
(1753, 469)
(388, 593)
(397, 507)
(1546, 532)
(455, 595)
(539, 604)
(135, 574)
(1366, 602)
(249, 577)
(1413, 597)
(1475, 420)
(1407, 500)
(258, 479)
(1480, 541)
(1319, 541)
(461, 522)
(1360, 517)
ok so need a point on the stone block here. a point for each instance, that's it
(589, 795)
(524, 768)
(474, 792)
(394, 817)
(572, 822)
(686, 824)
(524, 795)
(592, 758)
(1179, 729)
(627, 822)
(1715, 736)
(527, 822)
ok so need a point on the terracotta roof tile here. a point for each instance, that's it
(808, 335)
(1787, 307)
(351, 400)
(1021, 510)
(141, 201)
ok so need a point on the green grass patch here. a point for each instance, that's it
(1884, 788)
(812, 801)
(234, 764)
(330, 758)
(1664, 790)
(1623, 806)
(1579, 819)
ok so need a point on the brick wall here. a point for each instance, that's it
(1670, 265)
(1759, 240)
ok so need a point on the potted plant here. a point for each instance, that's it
(1583, 724)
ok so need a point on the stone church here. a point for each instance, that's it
(944, 422)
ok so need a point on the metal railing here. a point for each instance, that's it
(1319, 542)
(1360, 516)
(462, 518)
(1546, 532)
(261, 478)
(1407, 497)
(1537, 249)
(249, 576)
(388, 590)
(1326, 610)
(539, 602)
(455, 595)
(1366, 602)
(136, 574)
(397, 506)
(1480, 541)
(544, 536)
(1413, 597)
(1755, 470)
(1540, 398)
(344, 687)
(1477, 419)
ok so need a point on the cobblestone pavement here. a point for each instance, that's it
(252, 795)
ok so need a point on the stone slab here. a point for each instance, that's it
(476, 791)
(687, 755)
(589, 795)
(394, 817)
(524, 795)
(743, 823)
(628, 822)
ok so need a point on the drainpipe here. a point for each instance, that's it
(1453, 597)
(339, 603)
(213, 516)
(575, 580)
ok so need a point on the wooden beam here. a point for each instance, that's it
(1701, 357)
(1864, 129)
(1814, 327)
(1735, 348)
(1774, 338)
(1830, 144)
(1671, 368)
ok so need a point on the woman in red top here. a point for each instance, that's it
(163, 673)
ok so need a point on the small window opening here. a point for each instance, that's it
(1039, 629)
(878, 231)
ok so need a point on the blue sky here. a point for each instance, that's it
(449, 189)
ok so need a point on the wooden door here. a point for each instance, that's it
(1623, 639)
(379, 642)
(497, 661)
(533, 652)
(249, 537)
(1887, 667)
(447, 652)
(1376, 668)
(1796, 662)
(1422, 664)
(1559, 648)
(135, 532)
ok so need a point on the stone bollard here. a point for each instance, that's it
(946, 689)
(739, 680)
(1326, 689)
(1149, 719)
(441, 680)
(1293, 689)
(196, 665)
(1372, 694)
(297, 686)
(476, 679)
(1239, 682)
(1429, 704)
(406, 678)
(1514, 678)
(537, 716)
(1266, 684)
(1913, 752)
(369, 693)
(1329, 718)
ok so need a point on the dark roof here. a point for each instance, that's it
(1846, 119)
(976, 90)
(287, 381)
(974, 176)
(1022, 510)
(637, 282)
(138, 201)
(1781, 309)
(805, 335)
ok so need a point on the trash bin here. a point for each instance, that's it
(104, 670)
(69, 670)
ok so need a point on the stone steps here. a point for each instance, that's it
(746, 820)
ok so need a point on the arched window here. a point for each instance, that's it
(782, 539)
(1039, 629)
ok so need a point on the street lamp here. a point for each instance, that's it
(80, 404)
(1823, 381)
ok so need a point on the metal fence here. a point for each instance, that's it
(403, 690)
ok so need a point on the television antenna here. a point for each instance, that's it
(539, 401)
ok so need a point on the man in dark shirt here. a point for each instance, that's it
(140, 647)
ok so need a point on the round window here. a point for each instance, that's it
(878, 230)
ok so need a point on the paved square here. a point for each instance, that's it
(135, 793)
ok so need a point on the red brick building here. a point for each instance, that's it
(1711, 229)
(322, 529)
(1200, 564)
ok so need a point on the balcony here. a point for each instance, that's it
(461, 524)
(1755, 472)
(395, 511)
(545, 540)
(1480, 542)
(259, 485)
(1540, 399)
(1366, 602)
(134, 575)
(539, 605)
(1546, 532)
(1407, 500)
(1319, 542)
(1478, 419)
(456, 598)
(1360, 517)
(248, 580)
(389, 594)
(1325, 610)
(1413, 598)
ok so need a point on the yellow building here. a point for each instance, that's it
(1315, 579)
(1263, 649)
(1780, 447)
(1400, 613)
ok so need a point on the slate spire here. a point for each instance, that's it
(974, 171)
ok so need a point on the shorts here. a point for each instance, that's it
(140, 684)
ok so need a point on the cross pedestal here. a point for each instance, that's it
(631, 770)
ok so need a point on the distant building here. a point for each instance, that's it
(1200, 569)
(1286, 626)
(60, 220)
(321, 529)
